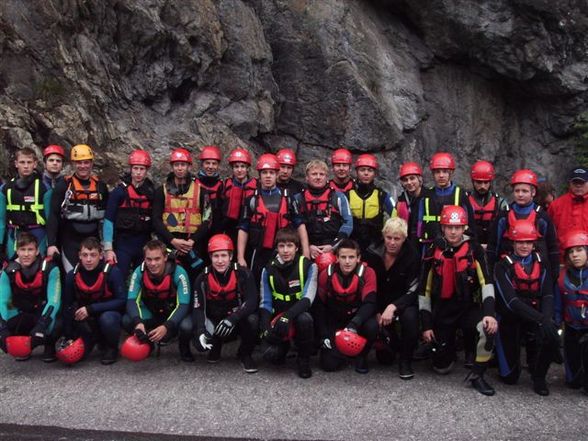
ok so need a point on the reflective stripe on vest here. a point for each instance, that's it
(289, 297)
(428, 217)
(181, 213)
(365, 208)
(36, 207)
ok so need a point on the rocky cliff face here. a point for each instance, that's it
(494, 79)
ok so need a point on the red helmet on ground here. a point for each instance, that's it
(442, 160)
(366, 160)
(140, 157)
(341, 156)
(524, 176)
(482, 171)
(453, 215)
(267, 161)
(54, 149)
(291, 329)
(410, 168)
(240, 154)
(575, 238)
(70, 351)
(180, 155)
(220, 242)
(19, 346)
(324, 260)
(134, 350)
(286, 157)
(522, 230)
(349, 343)
(210, 152)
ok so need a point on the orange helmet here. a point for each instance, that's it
(210, 152)
(482, 171)
(286, 157)
(180, 155)
(240, 154)
(524, 176)
(366, 160)
(442, 160)
(140, 157)
(267, 161)
(220, 242)
(453, 215)
(522, 230)
(341, 156)
(410, 168)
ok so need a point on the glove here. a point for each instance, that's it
(142, 336)
(282, 327)
(38, 333)
(195, 260)
(202, 342)
(326, 344)
(548, 332)
(4, 333)
(224, 328)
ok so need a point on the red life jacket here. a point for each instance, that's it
(513, 218)
(485, 213)
(449, 268)
(28, 295)
(270, 221)
(212, 190)
(323, 217)
(218, 292)
(164, 290)
(92, 293)
(134, 214)
(403, 210)
(348, 186)
(526, 284)
(235, 196)
(574, 301)
(350, 295)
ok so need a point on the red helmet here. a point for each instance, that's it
(575, 238)
(410, 168)
(210, 152)
(70, 351)
(180, 155)
(522, 230)
(54, 149)
(220, 242)
(442, 160)
(349, 343)
(482, 171)
(453, 215)
(324, 260)
(19, 345)
(366, 160)
(524, 176)
(140, 157)
(286, 157)
(240, 154)
(341, 156)
(291, 329)
(134, 350)
(267, 161)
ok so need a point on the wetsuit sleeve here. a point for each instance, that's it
(550, 236)
(248, 209)
(53, 293)
(158, 226)
(508, 295)
(47, 202)
(199, 305)
(134, 297)
(116, 285)
(55, 212)
(249, 295)
(488, 300)
(368, 307)
(308, 294)
(347, 225)
(5, 295)
(2, 216)
(114, 201)
(409, 298)
(182, 284)
(426, 292)
(547, 299)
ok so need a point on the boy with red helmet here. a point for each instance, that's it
(341, 161)
(287, 161)
(209, 179)
(53, 161)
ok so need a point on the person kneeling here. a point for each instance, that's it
(288, 288)
(225, 299)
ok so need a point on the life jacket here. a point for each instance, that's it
(159, 297)
(82, 205)
(236, 195)
(264, 224)
(574, 301)
(484, 215)
(403, 207)
(526, 285)
(456, 273)
(287, 286)
(214, 191)
(343, 301)
(29, 293)
(323, 217)
(221, 300)
(349, 185)
(432, 214)
(98, 291)
(25, 208)
(368, 215)
(512, 217)
(134, 213)
(181, 213)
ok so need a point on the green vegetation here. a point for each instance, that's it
(49, 90)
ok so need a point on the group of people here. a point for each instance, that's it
(335, 267)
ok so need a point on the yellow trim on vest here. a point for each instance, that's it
(185, 209)
(289, 297)
(36, 207)
(428, 217)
